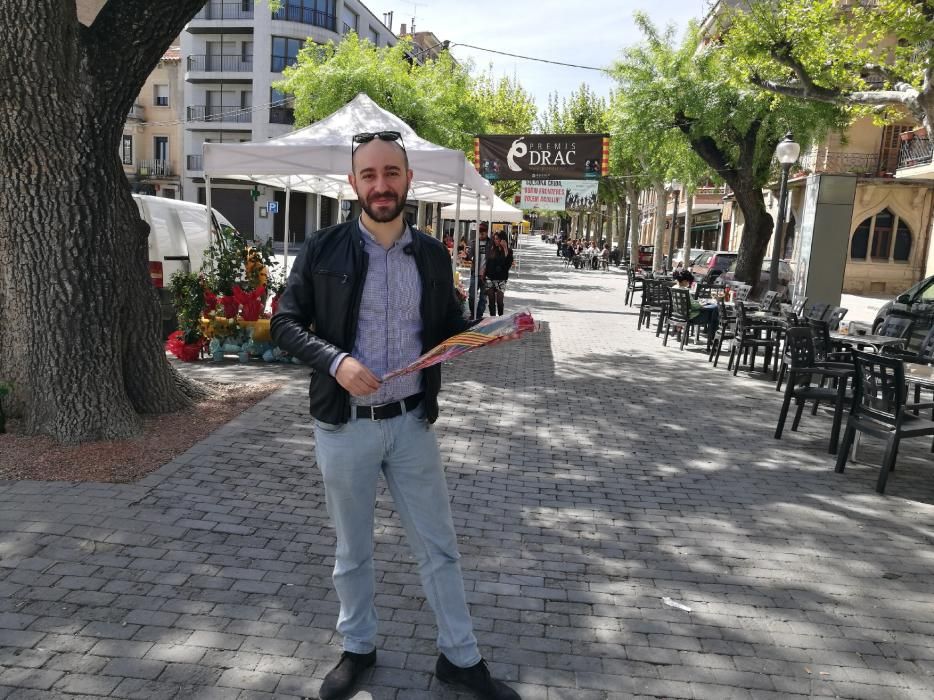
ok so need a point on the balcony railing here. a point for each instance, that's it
(281, 115)
(917, 151)
(211, 113)
(835, 162)
(221, 64)
(137, 111)
(347, 28)
(194, 162)
(155, 168)
(226, 10)
(306, 15)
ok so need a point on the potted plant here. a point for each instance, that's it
(188, 297)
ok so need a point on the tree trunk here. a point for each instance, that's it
(688, 213)
(79, 318)
(757, 232)
(635, 216)
(661, 205)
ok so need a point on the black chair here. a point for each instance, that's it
(751, 337)
(633, 285)
(799, 306)
(654, 300)
(742, 291)
(836, 315)
(802, 368)
(817, 311)
(679, 314)
(726, 330)
(896, 327)
(924, 355)
(880, 409)
(769, 301)
(702, 290)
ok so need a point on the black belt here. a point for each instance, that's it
(389, 410)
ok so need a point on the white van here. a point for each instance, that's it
(178, 238)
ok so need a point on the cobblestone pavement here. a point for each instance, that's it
(593, 474)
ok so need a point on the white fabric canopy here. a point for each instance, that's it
(317, 158)
(502, 212)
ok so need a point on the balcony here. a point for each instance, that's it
(305, 15)
(281, 115)
(212, 113)
(347, 28)
(226, 10)
(840, 163)
(155, 168)
(224, 17)
(916, 151)
(194, 163)
(220, 64)
(137, 112)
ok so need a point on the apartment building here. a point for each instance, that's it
(232, 52)
(151, 146)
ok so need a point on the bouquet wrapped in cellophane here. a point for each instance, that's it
(489, 331)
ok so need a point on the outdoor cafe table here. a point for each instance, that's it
(921, 375)
(876, 342)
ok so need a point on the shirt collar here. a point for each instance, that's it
(370, 239)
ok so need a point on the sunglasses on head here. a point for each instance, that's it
(367, 136)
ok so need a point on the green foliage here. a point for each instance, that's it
(670, 91)
(225, 262)
(837, 48)
(583, 112)
(434, 99)
(188, 299)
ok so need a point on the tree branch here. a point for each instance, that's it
(127, 39)
(707, 149)
(905, 95)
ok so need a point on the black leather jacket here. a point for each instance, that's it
(317, 315)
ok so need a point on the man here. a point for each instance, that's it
(476, 274)
(378, 294)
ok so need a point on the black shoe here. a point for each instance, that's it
(476, 679)
(340, 679)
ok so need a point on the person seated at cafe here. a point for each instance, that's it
(706, 315)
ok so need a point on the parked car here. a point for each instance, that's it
(710, 264)
(785, 275)
(916, 303)
(178, 237)
(646, 256)
(693, 254)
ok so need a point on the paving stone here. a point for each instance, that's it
(592, 473)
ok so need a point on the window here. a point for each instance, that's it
(859, 246)
(882, 235)
(160, 96)
(284, 52)
(350, 19)
(126, 150)
(902, 250)
(374, 36)
(881, 238)
(246, 52)
(320, 13)
(160, 148)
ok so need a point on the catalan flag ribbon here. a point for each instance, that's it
(496, 329)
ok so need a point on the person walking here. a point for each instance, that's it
(378, 294)
(476, 274)
(499, 261)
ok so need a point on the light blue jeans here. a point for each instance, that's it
(405, 449)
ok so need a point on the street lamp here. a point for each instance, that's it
(675, 187)
(786, 153)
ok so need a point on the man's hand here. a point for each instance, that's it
(356, 378)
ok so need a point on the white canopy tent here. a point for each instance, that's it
(316, 159)
(498, 211)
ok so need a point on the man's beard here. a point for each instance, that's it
(385, 216)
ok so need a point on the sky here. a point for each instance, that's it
(572, 31)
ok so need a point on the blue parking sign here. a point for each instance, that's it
(272, 207)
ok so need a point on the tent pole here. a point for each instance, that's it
(318, 212)
(285, 227)
(207, 204)
(340, 209)
(476, 257)
(420, 216)
(457, 224)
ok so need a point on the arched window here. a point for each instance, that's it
(860, 243)
(883, 237)
(902, 243)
